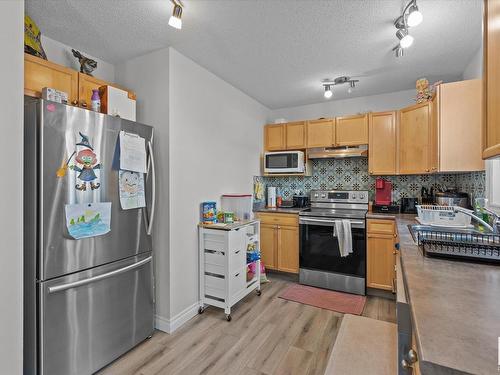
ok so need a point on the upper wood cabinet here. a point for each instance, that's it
(417, 140)
(382, 143)
(85, 86)
(351, 130)
(321, 133)
(295, 133)
(274, 137)
(457, 111)
(40, 73)
(491, 121)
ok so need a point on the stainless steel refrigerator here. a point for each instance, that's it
(86, 301)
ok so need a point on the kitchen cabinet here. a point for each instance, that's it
(288, 249)
(295, 134)
(274, 137)
(457, 113)
(491, 43)
(351, 130)
(321, 133)
(268, 245)
(381, 254)
(40, 73)
(382, 143)
(280, 241)
(417, 146)
(88, 83)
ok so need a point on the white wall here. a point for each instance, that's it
(474, 68)
(148, 76)
(61, 54)
(351, 106)
(215, 142)
(11, 168)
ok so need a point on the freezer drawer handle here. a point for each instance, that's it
(153, 189)
(59, 288)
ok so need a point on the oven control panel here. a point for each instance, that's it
(340, 196)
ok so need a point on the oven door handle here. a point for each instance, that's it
(331, 222)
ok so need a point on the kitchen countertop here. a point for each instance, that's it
(455, 308)
(231, 226)
(282, 210)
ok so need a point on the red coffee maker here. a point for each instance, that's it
(383, 192)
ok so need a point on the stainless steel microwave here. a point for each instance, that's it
(284, 162)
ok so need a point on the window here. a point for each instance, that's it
(493, 184)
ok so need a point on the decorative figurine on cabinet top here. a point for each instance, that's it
(87, 65)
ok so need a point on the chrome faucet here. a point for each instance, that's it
(496, 218)
(478, 219)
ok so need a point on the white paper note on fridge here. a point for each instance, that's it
(132, 152)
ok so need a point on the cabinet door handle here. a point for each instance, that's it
(237, 252)
(238, 274)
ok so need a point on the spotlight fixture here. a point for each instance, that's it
(176, 18)
(328, 91)
(328, 85)
(410, 17)
(405, 39)
(415, 18)
(398, 51)
(352, 86)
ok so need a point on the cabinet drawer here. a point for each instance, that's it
(237, 281)
(237, 259)
(281, 219)
(381, 226)
(215, 286)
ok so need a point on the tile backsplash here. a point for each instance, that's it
(352, 174)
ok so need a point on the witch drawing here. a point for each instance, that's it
(88, 161)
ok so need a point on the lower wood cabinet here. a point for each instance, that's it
(381, 254)
(279, 237)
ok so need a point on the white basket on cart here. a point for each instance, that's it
(446, 216)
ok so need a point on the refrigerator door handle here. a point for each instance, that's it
(153, 189)
(59, 288)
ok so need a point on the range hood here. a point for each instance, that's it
(338, 152)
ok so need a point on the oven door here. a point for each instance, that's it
(319, 247)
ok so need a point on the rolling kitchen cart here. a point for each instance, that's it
(224, 279)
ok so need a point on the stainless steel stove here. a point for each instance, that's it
(321, 263)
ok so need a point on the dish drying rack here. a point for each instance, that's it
(466, 246)
(446, 216)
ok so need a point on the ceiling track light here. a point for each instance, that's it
(328, 85)
(410, 17)
(176, 18)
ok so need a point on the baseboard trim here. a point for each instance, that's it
(171, 325)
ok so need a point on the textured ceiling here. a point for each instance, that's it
(277, 51)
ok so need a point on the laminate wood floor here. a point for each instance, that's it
(267, 335)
